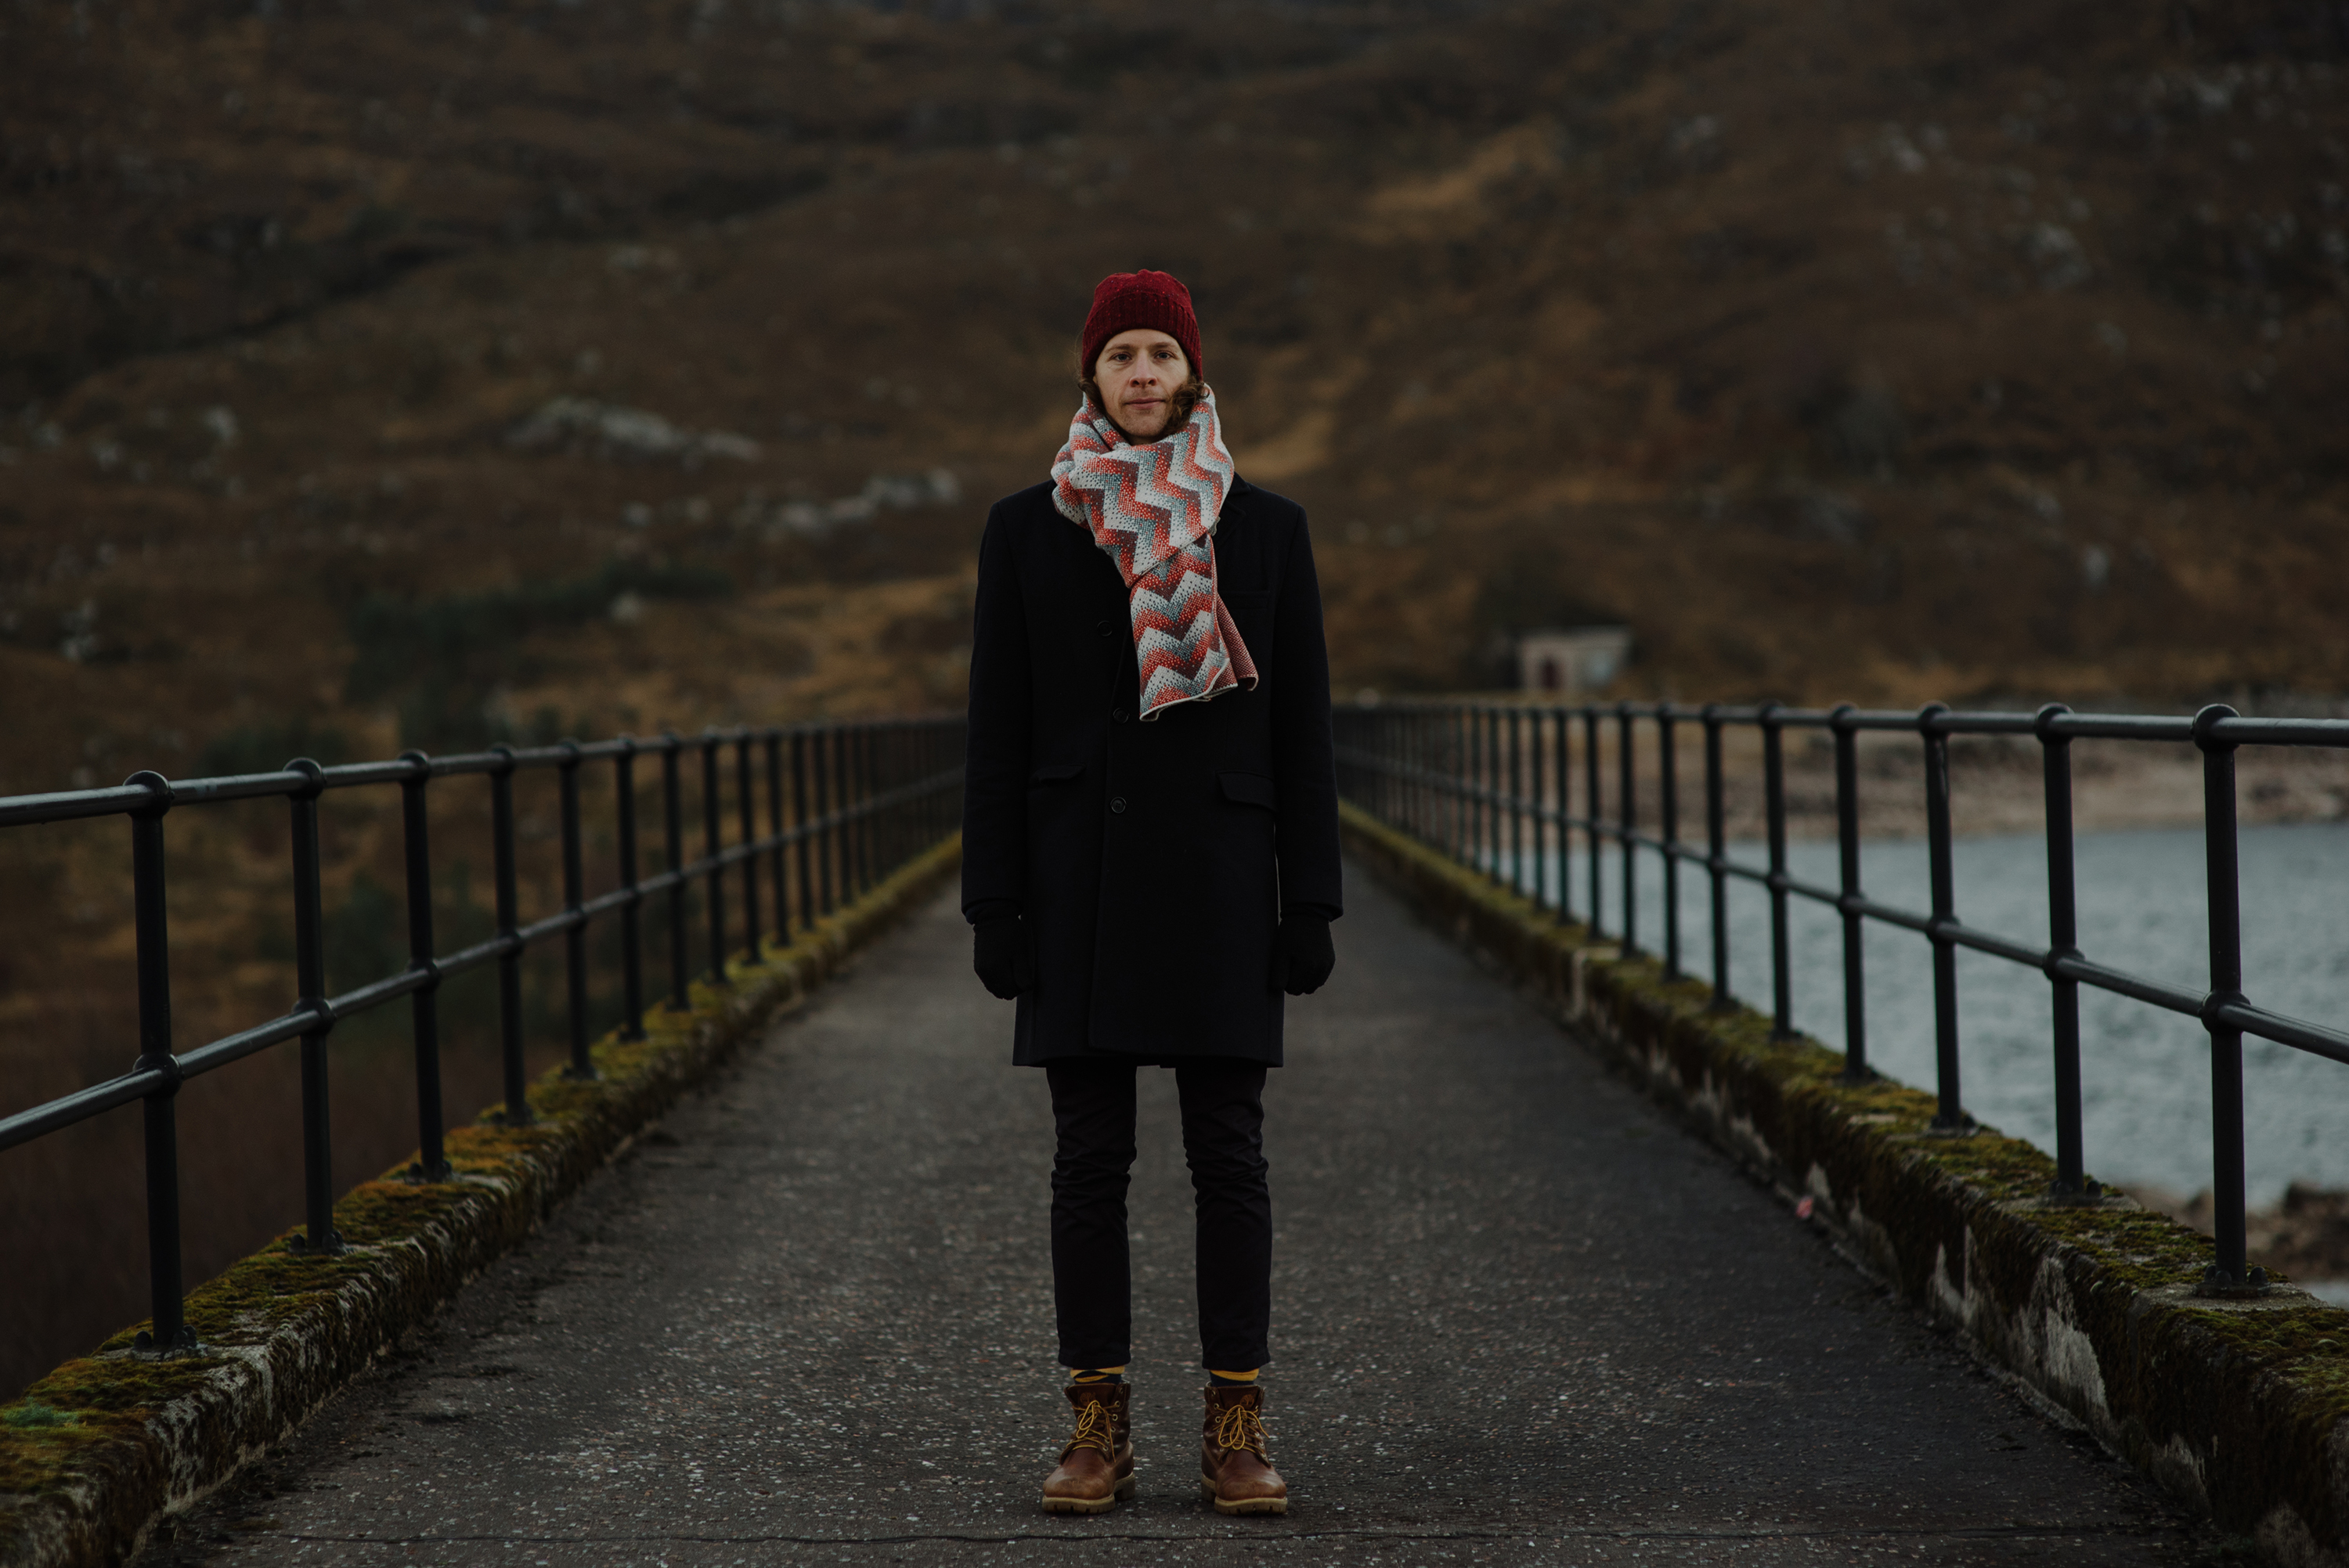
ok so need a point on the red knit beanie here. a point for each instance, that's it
(1124, 301)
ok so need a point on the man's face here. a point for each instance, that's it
(1139, 372)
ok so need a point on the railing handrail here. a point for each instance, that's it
(2233, 729)
(863, 797)
(1455, 773)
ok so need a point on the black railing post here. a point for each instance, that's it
(1345, 734)
(888, 819)
(1538, 788)
(1471, 763)
(575, 938)
(918, 741)
(1363, 780)
(2233, 1271)
(1408, 740)
(1716, 858)
(424, 1004)
(1466, 820)
(1855, 990)
(853, 817)
(1459, 829)
(681, 970)
(902, 774)
(1496, 778)
(1461, 771)
(516, 1111)
(1562, 739)
(900, 819)
(845, 755)
(746, 807)
(880, 779)
(1351, 776)
(1590, 806)
(1400, 740)
(2063, 942)
(713, 834)
(823, 744)
(1378, 731)
(1424, 751)
(799, 818)
(1495, 792)
(167, 1330)
(632, 913)
(1402, 737)
(901, 815)
(1951, 1116)
(1773, 803)
(1668, 782)
(775, 864)
(1408, 745)
(1628, 814)
(1517, 800)
(1419, 795)
(310, 980)
(843, 811)
(1412, 742)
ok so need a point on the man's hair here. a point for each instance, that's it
(1185, 398)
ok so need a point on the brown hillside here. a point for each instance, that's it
(419, 373)
(1866, 352)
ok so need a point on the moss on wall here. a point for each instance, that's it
(93, 1453)
(2239, 1408)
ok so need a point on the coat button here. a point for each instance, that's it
(1117, 804)
(1105, 628)
(1118, 715)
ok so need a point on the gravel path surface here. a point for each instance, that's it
(1520, 1317)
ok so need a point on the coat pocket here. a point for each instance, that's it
(1250, 789)
(1058, 773)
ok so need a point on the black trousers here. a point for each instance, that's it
(1223, 1139)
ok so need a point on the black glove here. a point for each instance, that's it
(1303, 955)
(1003, 951)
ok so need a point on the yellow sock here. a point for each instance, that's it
(1083, 1374)
(1232, 1379)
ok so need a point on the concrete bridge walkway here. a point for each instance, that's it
(1520, 1317)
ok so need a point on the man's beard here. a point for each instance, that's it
(1165, 426)
(1181, 403)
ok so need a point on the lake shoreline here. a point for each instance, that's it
(1996, 786)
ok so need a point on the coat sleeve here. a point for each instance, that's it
(994, 769)
(1304, 757)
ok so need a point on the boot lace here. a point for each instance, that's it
(1092, 1431)
(1240, 1430)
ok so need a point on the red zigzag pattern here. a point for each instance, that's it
(1154, 508)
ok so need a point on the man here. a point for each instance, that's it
(1150, 850)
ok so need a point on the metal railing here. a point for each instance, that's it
(1485, 783)
(845, 805)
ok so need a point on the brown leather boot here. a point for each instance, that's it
(1096, 1467)
(1234, 1472)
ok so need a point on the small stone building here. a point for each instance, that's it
(1572, 663)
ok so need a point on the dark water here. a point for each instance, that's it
(2146, 1076)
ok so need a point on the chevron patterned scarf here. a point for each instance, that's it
(1154, 509)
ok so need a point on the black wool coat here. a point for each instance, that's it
(1151, 861)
